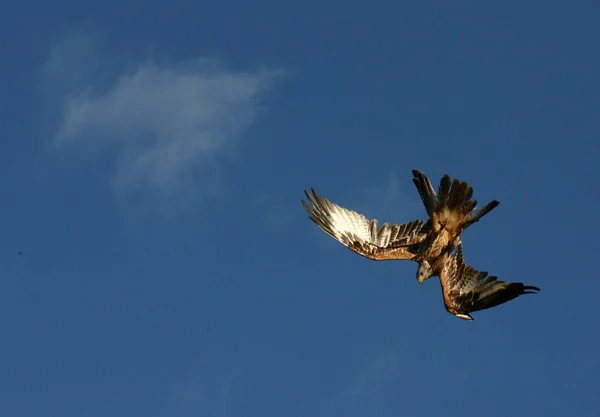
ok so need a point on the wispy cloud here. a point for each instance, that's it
(209, 392)
(369, 392)
(231, 390)
(167, 123)
(215, 390)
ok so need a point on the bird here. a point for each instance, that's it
(450, 213)
(466, 290)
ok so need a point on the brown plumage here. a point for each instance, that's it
(451, 209)
(450, 213)
(466, 289)
(364, 236)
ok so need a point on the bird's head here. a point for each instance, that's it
(423, 271)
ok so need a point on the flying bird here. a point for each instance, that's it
(466, 289)
(450, 213)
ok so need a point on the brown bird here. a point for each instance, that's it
(450, 213)
(466, 289)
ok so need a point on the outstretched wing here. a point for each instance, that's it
(362, 235)
(467, 290)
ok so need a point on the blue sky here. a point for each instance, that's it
(153, 160)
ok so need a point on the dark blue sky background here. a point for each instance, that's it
(153, 158)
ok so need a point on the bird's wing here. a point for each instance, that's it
(362, 235)
(466, 289)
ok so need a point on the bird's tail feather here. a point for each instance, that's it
(452, 196)
(474, 216)
(444, 190)
(426, 191)
(456, 198)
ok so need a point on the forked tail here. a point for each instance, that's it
(451, 195)
(452, 202)
(474, 216)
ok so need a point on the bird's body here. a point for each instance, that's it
(434, 244)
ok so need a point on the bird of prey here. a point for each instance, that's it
(450, 211)
(466, 289)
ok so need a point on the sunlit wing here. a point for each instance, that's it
(364, 236)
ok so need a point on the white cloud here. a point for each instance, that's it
(371, 390)
(215, 389)
(168, 124)
(207, 393)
